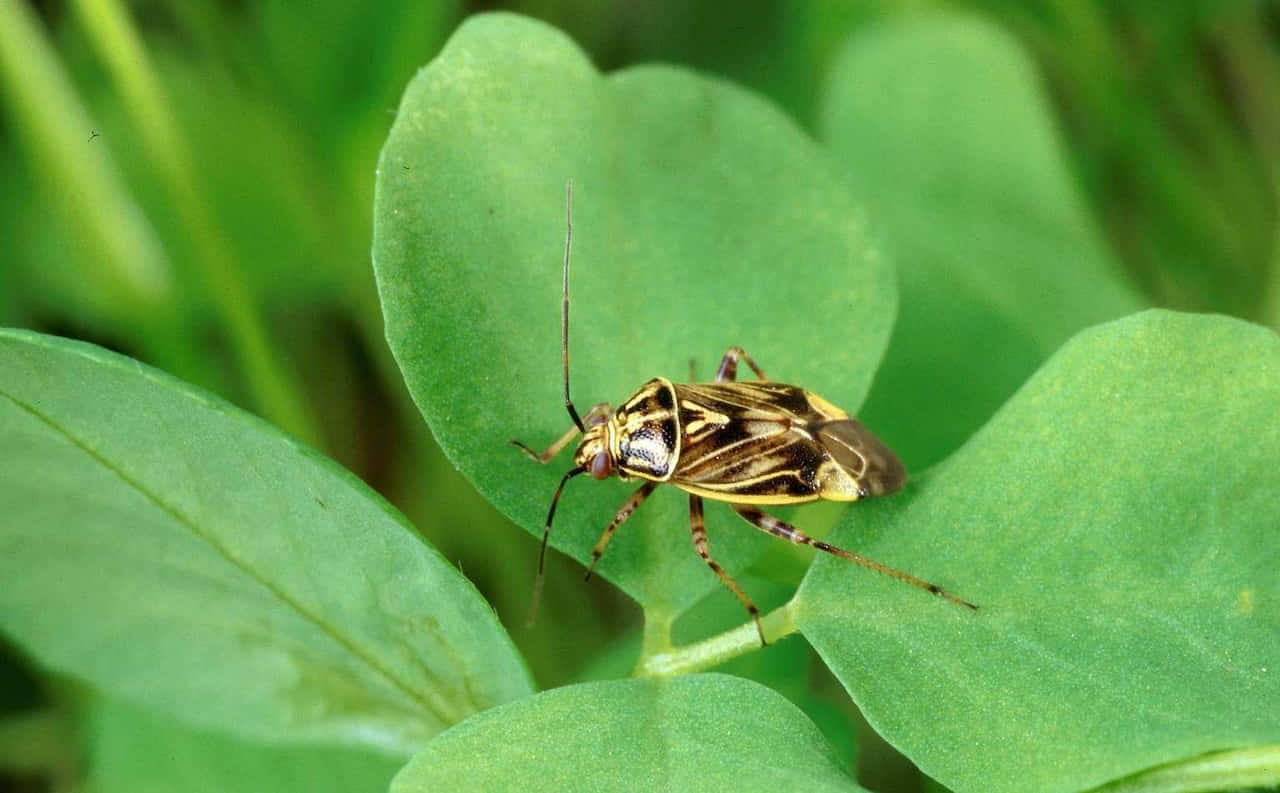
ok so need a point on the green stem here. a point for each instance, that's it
(1237, 769)
(657, 633)
(270, 383)
(660, 659)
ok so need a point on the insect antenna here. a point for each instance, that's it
(564, 303)
(568, 402)
(542, 552)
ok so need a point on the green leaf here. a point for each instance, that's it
(179, 553)
(1116, 522)
(944, 127)
(694, 733)
(133, 751)
(703, 218)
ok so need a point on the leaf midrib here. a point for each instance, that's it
(445, 712)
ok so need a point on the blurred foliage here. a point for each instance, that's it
(191, 183)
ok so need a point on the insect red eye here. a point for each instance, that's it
(601, 466)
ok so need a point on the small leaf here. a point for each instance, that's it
(694, 733)
(945, 129)
(703, 218)
(134, 751)
(1116, 522)
(179, 553)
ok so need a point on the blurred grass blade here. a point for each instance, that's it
(1116, 522)
(1253, 67)
(1186, 199)
(271, 384)
(126, 263)
(179, 553)
(711, 733)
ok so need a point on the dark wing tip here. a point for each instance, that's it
(862, 454)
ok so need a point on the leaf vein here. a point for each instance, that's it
(441, 710)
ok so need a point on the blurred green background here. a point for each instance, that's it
(191, 184)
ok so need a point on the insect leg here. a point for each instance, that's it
(729, 365)
(629, 506)
(699, 528)
(545, 456)
(551, 451)
(786, 531)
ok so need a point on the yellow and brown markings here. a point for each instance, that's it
(761, 442)
(647, 432)
(860, 455)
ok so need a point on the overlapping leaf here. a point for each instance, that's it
(1117, 523)
(695, 733)
(944, 128)
(177, 552)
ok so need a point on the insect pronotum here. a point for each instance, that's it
(745, 443)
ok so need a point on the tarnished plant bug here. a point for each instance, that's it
(744, 443)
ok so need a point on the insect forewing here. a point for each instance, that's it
(863, 455)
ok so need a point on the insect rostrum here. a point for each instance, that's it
(745, 443)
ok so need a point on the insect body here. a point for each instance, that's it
(745, 443)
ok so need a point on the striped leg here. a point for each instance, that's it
(786, 531)
(729, 365)
(598, 412)
(629, 506)
(699, 527)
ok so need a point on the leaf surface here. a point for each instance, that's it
(134, 751)
(1117, 523)
(693, 733)
(179, 553)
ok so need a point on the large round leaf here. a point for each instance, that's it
(944, 127)
(702, 219)
(688, 734)
(179, 553)
(1117, 523)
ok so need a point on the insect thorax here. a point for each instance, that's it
(645, 437)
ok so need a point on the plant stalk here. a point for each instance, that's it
(711, 652)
